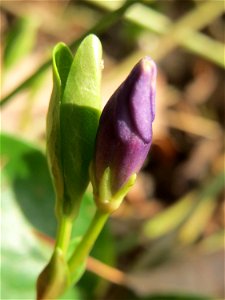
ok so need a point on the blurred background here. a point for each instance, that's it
(167, 239)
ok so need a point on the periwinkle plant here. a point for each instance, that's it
(114, 155)
(72, 122)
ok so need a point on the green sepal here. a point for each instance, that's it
(105, 193)
(118, 197)
(105, 200)
(55, 277)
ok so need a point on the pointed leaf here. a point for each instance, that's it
(79, 115)
(62, 60)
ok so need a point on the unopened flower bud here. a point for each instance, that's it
(125, 130)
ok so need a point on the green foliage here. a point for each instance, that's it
(61, 55)
(188, 215)
(18, 274)
(28, 202)
(26, 170)
(22, 254)
(20, 40)
(73, 120)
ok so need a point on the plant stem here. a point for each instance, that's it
(64, 233)
(88, 240)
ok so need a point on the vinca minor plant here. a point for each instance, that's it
(83, 145)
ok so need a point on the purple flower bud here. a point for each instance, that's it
(125, 129)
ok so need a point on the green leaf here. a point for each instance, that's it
(191, 212)
(86, 213)
(26, 170)
(169, 219)
(62, 60)
(26, 187)
(73, 120)
(20, 40)
(203, 212)
(22, 255)
(83, 82)
(213, 242)
(79, 116)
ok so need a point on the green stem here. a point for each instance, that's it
(88, 240)
(64, 233)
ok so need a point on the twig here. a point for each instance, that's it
(194, 124)
(109, 273)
